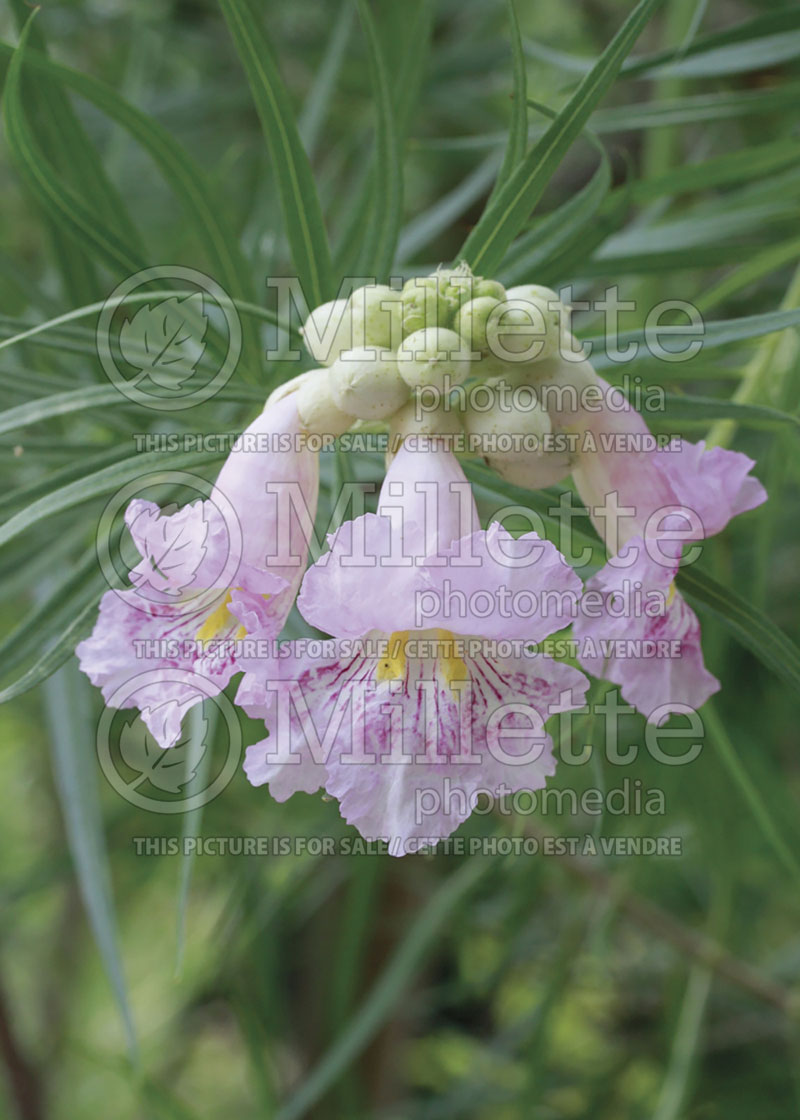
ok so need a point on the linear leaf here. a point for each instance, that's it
(387, 180)
(57, 198)
(99, 483)
(518, 126)
(305, 229)
(183, 175)
(389, 988)
(751, 627)
(500, 221)
(75, 771)
(719, 333)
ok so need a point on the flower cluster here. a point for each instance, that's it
(412, 698)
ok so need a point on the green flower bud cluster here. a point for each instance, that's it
(382, 346)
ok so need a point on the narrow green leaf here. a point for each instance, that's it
(186, 178)
(719, 333)
(736, 771)
(497, 227)
(305, 229)
(733, 167)
(751, 627)
(101, 482)
(384, 996)
(202, 723)
(57, 198)
(318, 101)
(75, 155)
(518, 126)
(386, 207)
(431, 222)
(687, 406)
(541, 246)
(75, 771)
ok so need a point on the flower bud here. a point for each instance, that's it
(492, 288)
(413, 420)
(328, 331)
(533, 471)
(434, 357)
(471, 322)
(522, 330)
(550, 314)
(377, 314)
(422, 305)
(367, 386)
(497, 408)
(316, 408)
(456, 285)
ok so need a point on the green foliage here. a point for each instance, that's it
(652, 147)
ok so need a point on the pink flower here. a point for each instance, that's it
(415, 707)
(681, 487)
(636, 630)
(207, 573)
(646, 502)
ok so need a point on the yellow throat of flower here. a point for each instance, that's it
(392, 667)
(218, 622)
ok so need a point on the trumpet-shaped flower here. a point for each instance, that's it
(636, 630)
(646, 502)
(428, 692)
(206, 573)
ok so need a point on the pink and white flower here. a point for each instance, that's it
(413, 710)
(207, 572)
(663, 498)
(635, 630)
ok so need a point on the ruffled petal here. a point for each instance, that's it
(636, 631)
(499, 586)
(149, 660)
(716, 484)
(407, 757)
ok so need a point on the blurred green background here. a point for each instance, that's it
(153, 984)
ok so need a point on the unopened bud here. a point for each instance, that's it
(377, 314)
(435, 358)
(367, 386)
(550, 312)
(422, 305)
(316, 407)
(328, 331)
(497, 409)
(534, 470)
(471, 322)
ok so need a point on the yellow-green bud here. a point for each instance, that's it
(367, 385)
(422, 305)
(316, 407)
(520, 330)
(434, 357)
(550, 314)
(377, 314)
(533, 471)
(328, 331)
(491, 288)
(456, 285)
(497, 408)
(471, 322)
